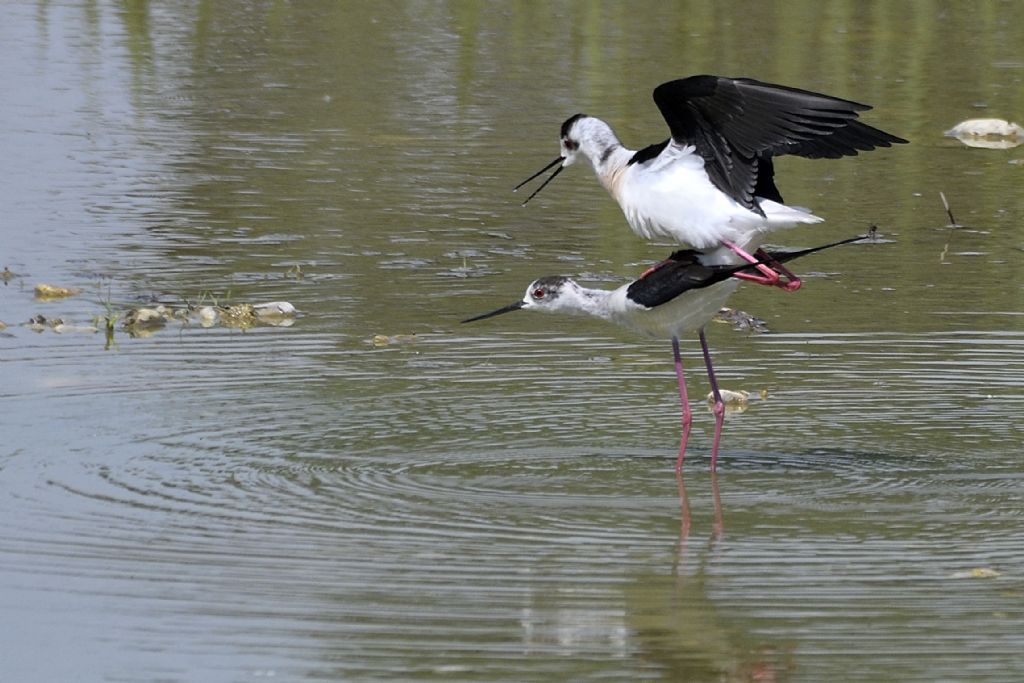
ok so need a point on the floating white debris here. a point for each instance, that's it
(988, 133)
(740, 320)
(735, 401)
(207, 316)
(976, 573)
(45, 292)
(146, 317)
(274, 309)
(276, 313)
(63, 328)
(730, 396)
(983, 127)
(386, 340)
(37, 323)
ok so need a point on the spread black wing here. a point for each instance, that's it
(738, 124)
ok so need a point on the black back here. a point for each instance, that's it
(649, 152)
(682, 272)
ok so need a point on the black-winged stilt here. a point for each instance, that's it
(711, 185)
(679, 295)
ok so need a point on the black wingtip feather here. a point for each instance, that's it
(734, 123)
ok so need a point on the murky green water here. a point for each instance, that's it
(494, 502)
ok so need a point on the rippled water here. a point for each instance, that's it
(379, 492)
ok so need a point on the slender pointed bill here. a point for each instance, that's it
(504, 309)
(558, 170)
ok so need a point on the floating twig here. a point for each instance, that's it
(952, 225)
(949, 211)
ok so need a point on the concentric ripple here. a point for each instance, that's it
(475, 502)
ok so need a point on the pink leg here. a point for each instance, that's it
(719, 408)
(770, 274)
(687, 412)
(653, 268)
(792, 281)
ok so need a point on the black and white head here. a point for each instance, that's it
(569, 139)
(581, 135)
(553, 294)
(588, 137)
(550, 294)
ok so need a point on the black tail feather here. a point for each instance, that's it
(783, 256)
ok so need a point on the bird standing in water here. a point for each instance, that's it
(678, 296)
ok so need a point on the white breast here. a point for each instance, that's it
(671, 197)
(687, 313)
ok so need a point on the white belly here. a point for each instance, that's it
(687, 313)
(671, 197)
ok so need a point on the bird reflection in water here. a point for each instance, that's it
(717, 523)
(682, 625)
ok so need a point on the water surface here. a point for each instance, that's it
(495, 501)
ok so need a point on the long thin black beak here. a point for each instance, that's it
(505, 309)
(558, 170)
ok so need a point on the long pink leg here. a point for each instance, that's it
(770, 274)
(719, 408)
(687, 412)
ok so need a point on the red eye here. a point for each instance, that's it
(539, 293)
